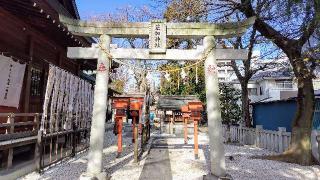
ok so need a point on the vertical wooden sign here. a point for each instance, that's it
(158, 36)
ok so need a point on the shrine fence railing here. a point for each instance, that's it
(22, 142)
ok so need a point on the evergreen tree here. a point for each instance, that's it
(229, 101)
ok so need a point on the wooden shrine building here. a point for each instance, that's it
(170, 106)
(31, 33)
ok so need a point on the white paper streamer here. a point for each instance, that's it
(68, 98)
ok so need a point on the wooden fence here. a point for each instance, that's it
(277, 141)
(22, 129)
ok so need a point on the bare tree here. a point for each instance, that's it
(247, 68)
(132, 14)
(289, 24)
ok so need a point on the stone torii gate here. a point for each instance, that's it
(157, 31)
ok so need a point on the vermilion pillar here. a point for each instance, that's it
(119, 128)
(196, 146)
(185, 130)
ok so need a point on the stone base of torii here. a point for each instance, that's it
(157, 31)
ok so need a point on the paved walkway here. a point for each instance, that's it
(157, 164)
(170, 158)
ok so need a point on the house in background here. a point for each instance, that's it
(273, 85)
(280, 113)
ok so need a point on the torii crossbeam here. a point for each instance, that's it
(158, 31)
(143, 54)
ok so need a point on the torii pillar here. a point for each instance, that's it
(95, 168)
(218, 166)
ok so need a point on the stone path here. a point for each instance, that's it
(170, 158)
(157, 164)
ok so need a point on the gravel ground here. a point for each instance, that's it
(182, 163)
(117, 168)
(244, 167)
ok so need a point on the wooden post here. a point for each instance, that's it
(133, 128)
(142, 136)
(119, 128)
(38, 152)
(10, 157)
(280, 139)
(148, 130)
(173, 122)
(28, 75)
(196, 147)
(241, 134)
(140, 128)
(10, 150)
(36, 122)
(11, 121)
(258, 137)
(74, 143)
(136, 143)
(185, 130)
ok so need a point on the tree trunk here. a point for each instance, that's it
(245, 104)
(300, 147)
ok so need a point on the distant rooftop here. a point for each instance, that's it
(281, 73)
(174, 102)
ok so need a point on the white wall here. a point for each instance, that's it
(270, 90)
(316, 84)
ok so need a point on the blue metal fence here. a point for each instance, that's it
(276, 114)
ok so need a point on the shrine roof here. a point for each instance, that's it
(131, 95)
(174, 102)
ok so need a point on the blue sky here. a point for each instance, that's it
(94, 7)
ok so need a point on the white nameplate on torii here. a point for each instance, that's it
(158, 37)
(144, 54)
